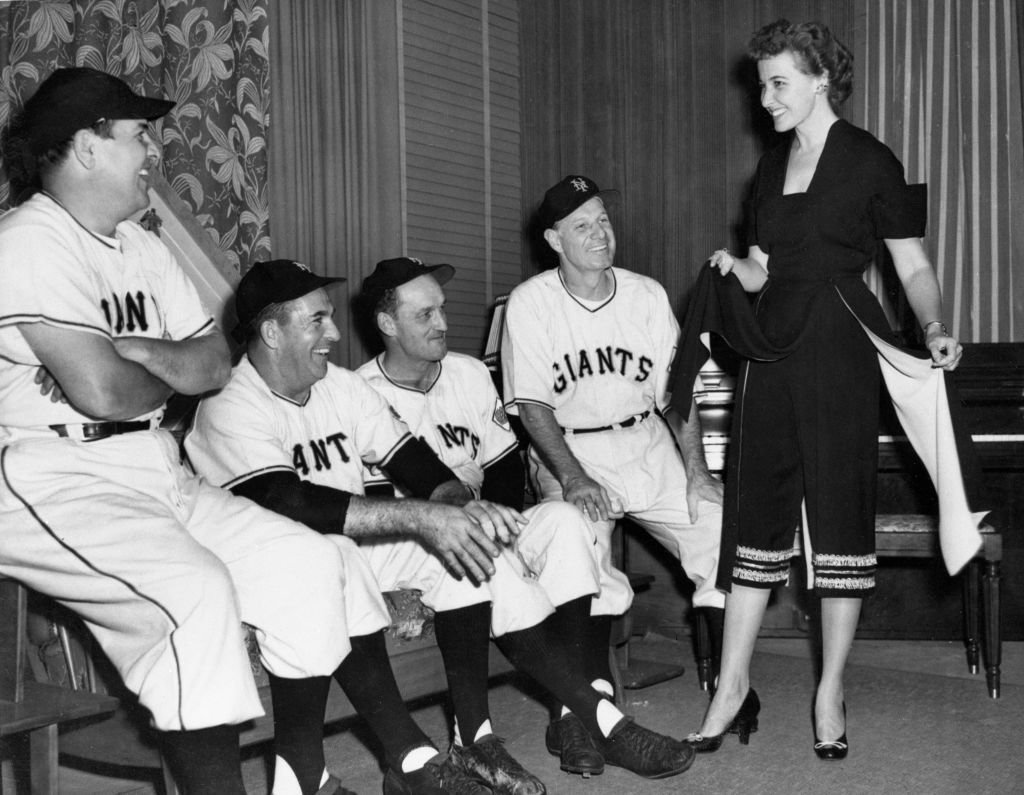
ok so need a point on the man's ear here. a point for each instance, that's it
(553, 239)
(386, 324)
(83, 146)
(269, 331)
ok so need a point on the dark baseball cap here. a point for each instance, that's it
(273, 282)
(72, 99)
(565, 197)
(391, 273)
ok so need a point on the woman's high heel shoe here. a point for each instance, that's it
(744, 724)
(836, 749)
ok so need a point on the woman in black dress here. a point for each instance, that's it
(806, 423)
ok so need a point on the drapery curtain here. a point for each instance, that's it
(209, 57)
(335, 192)
(939, 82)
(395, 130)
(656, 98)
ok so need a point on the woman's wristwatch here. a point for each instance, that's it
(942, 327)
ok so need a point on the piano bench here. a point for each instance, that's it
(900, 535)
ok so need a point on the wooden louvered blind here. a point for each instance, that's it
(460, 152)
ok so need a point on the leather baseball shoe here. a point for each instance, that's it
(570, 741)
(644, 752)
(438, 776)
(487, 759)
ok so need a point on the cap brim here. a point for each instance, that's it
(443, 273)
(150, 108)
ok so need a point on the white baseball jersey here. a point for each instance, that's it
(460, 416)
(161, 566)
(127, 285)
(593, 363)
(344, 426)
(247, 429)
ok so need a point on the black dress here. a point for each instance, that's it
(805, 427)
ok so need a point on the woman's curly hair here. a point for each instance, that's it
(815, 50)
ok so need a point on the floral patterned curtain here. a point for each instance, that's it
(209, 57)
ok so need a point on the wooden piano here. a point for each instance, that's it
(917, 599)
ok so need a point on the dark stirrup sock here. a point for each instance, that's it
(569, 625)
(716, 632)
(538, 652)
(204, 761)
(299, 706)
(367, 679)
(463, 636)
(599, 640)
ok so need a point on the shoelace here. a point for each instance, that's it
(453, 778)
(645, 744)
(491, 752)
(832, 744)
(575, 732)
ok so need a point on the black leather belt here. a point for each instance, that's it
(626, 423)
(92, 431)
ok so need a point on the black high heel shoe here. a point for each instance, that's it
(744, 724)
(836, 749)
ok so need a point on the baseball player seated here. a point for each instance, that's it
(449, 401)
(295, 433)
(289, 432)
(98, 327)
(585, 354)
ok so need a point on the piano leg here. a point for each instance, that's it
(972, 577)
(993, 646)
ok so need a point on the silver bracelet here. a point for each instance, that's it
(942, 327)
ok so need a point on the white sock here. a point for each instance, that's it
(484, 730)
(285, 782)
(608, 716)
(604, 687)
(415, 759)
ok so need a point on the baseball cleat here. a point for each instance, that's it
(644, 752)
(570, 741)
(438, 776)
(487, 759)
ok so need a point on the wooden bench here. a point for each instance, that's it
(916, 536)
(34, 708)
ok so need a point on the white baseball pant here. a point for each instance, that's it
(163, 568)
(642, 471)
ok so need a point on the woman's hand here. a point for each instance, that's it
(945, 350)
(722, 260)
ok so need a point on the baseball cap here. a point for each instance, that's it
(273, 282)
(563, 198)
(71, 99)
(391, 273)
